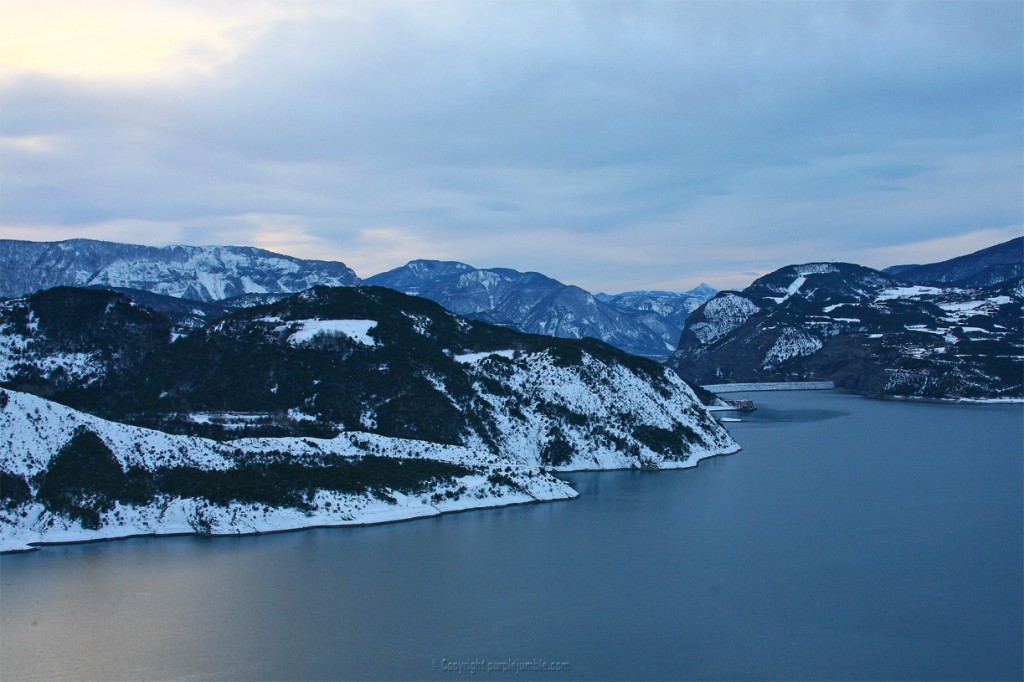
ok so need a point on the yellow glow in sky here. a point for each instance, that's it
(105, 39)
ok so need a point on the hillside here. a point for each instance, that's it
(66, 476)
(283, 390)
(994, 265)
(863, 329)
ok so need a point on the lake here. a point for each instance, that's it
(849, 539)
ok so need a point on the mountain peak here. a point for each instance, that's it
(703, 291)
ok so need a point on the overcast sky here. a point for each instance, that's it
(613, 145)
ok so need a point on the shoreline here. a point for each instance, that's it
(754, 386)
(37, 546)
(795, 386)
(416, 513)
(31, 547)
(948, 401)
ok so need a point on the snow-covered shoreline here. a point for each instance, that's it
(187, 516)
(1006, 400)
(179, 518)
(33, 430)
(830, 386)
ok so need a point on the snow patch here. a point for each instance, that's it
(793, 288)
(815, 269)
(907, 292)
(468, 358)
(357, 330)
(300, 416)
(791, 343)
(723, 314)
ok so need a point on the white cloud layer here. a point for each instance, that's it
(614, 145)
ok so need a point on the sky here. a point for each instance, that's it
(613, 145)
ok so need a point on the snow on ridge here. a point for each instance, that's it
(593, 408)
(208, 272)
(907, 292)
(420, 323)
(596, 397)
(791, 343)
(467, 358)
(33, 429)
(357, 330)
(792, 289)
(723, 314)
(815, 269)
(16, 348)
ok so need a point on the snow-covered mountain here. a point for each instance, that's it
(863, 329)
(994, 265)
(226, 278)
(645, 324)
(663, 312)
(67, 476)
(300, 393)
(201, 273)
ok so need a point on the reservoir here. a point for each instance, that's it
(849, 539)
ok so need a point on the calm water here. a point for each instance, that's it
(849, 539)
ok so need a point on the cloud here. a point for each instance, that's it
(130, 40)
(613, 145)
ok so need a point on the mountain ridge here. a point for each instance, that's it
(642, 323)
(863, 329)
(202, 273)
(301, 391)
(986, 267)
(332, 406)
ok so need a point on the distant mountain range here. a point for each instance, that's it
(868, 331)
(227, 278)
(199, 273)
(766, 332)
(642, 323)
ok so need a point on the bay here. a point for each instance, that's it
(849, 539)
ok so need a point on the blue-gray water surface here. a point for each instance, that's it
(849, 539)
